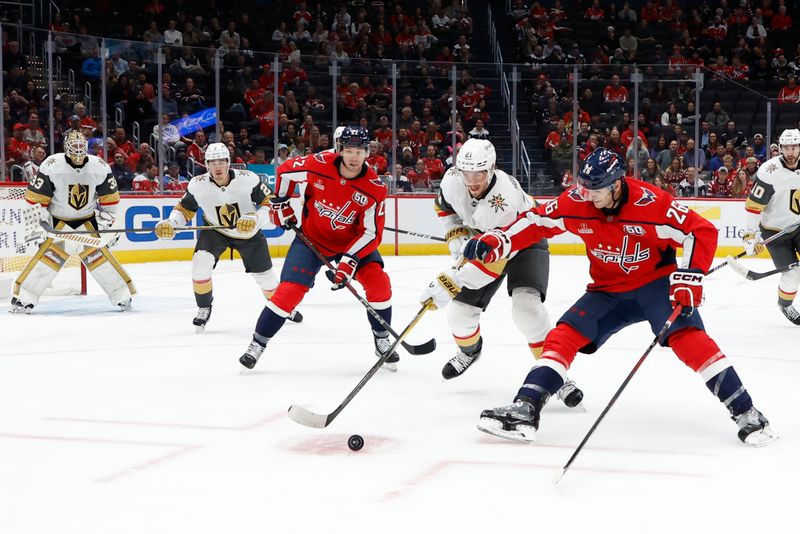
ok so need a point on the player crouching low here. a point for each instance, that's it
(343, 218)
(631, 231)
(476, 197)
(69, 187)
(232, 198)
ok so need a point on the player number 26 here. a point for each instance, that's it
(677, 212)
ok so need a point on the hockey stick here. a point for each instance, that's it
(658, 338)
(417, 234)
(791, 228)
(84, 236)
(752, 275)
(425, 348)
(305, 417)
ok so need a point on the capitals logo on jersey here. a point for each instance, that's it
(228, 214)
(339, 219)
(648, 197)
(625, 260)
(78, 196)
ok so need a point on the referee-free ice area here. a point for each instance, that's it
(120, 423)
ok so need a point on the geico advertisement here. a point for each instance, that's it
(413, 214)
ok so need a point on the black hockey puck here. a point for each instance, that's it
(355, 442)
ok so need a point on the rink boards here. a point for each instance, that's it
(410, 213)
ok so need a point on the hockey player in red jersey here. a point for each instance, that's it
(631, 231)
(343, 216)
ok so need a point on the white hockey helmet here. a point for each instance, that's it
(790, 136)
(477, 155)
(76, 147)
(217, 151)
(337, 134)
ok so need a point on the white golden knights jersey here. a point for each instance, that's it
(498, 206)
(222, 206)
(774, 199)
(72, 193)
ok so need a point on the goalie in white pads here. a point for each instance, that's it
(228, 197)
(474, 198)
(68, 187)
(774, 204)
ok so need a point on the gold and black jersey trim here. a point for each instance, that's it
(186, 212)
(109, 199)
(37, 198)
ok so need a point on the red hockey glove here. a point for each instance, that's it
(344, 272)
(281, 213)
(488, 247)
(686, 289)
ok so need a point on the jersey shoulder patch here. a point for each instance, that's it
(645, 198)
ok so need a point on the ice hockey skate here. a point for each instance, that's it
(754, 428)
(17, 306)
(125, 305)
(459, 363)
(570, 394)
(382, 344)
(517, 422)
(791, 313)
(202, 318)
(251, 355)
(295, 317)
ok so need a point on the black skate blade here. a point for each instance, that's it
(300, 415)
(418, 350)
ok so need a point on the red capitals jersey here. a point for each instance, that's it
(629, 249)
(340, 216)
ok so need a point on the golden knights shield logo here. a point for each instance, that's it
(228, 214)
(794, 201)
(78, 196)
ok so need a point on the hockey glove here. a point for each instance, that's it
(457, 237)
(753, 244)
(344, 272)
(165, 229)
(686, 289)
(444, 288)
(488, 247)
(105, 220)
(247, 223)
(281, 213)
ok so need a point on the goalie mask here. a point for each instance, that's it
(76, 147)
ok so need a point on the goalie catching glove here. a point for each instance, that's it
(686, 289)
(444, 288)
(753, 244)
(489, 247)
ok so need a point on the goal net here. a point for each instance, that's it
(15, 252)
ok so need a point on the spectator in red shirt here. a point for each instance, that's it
(433, 164)
(613, 143)
(431, 136)
(615, 92)
(739, 71)
(122, 141)
(789, 94)
(302, 14)
(292, 77)
(140, 159)
(781, 21)
(253, 93)
(595, 13)
(384, 133)
(649, 12)
(18, 151)
(554, 137)
(721, 186)
(262, 106)
(419, 177)
(197, 149)
(717, 30)
(376, 159)
(147, 181)
(173, 180)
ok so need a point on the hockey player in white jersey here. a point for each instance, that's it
(774, 204)
(78, 191)
(476, 197)
(228, 197)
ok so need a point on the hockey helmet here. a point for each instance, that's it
(76, 147)
(477, 155)
(337, 134)
(789, 136)
(601, 169)
(354, 136)
(217, 151)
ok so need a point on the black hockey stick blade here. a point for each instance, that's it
(753, 275)
(418, 350)
(305, 417)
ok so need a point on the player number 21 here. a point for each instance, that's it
(677, 212)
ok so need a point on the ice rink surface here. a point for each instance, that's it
(120, 423)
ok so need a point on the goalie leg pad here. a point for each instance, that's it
(531, 317)
(39, 272)
(108, 272)
(203, 263)
(267, 281)
(464, 321)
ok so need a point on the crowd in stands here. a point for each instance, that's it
(739, 47)
(423, 37)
